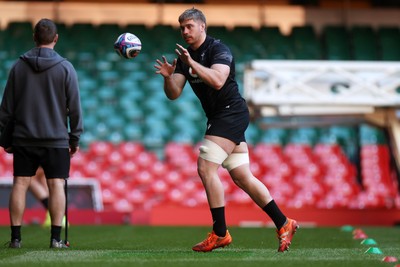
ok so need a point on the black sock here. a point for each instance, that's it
(45, 203)
(275, 214)
(16, 232)
(56, 232)
(219, 224)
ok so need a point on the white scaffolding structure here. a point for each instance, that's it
(330, 92)
(321, 87)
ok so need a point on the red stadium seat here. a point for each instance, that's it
(100, 148)
(122, 205)
(130, 149)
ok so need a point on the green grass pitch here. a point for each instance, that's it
(171, 246)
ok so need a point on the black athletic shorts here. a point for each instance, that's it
(54, 161)
(230, 123)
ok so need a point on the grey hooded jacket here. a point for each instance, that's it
(42, 97)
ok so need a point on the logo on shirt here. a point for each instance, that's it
(193, 73)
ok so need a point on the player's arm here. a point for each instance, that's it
(173, 85)
(173, 82)
(215, 76)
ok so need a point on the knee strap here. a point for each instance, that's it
(212, 152)
(235, 160)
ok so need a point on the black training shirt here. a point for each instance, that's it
(211, 52)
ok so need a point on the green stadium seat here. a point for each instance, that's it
(372, 135)
(64, 43)
(130, 95)
(3, 37)
(389, 43)
(306, 135)
(87, 84)
(106, 95)
(83, 37)
(90, 104)
(182, 126)
(248, 44)
(336, 43)
(115, 121)
(305, 43)
(18, 37)
(108, 33)
(115, 137)
(101, 131)
(219, 32)
(134, 114)
(20, 29)
(277, 46)
(133, 132)
(364, 44)
(274, 136)
(154, 124)
(86, 139)
(252, 134)
(104, 112)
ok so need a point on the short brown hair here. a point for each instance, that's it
(194, 14)
(44, 32)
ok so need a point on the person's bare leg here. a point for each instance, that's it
(18, 199)
(39, 191)
(258, 192)
(212, 184)
(56, 200)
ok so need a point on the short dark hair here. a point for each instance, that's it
(44, 32)
(193, 14)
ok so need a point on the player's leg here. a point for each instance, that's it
(24, 168)
(211, 156)
(38, 189)
(56, 206)
(17, 208)
(208, 172)
(56, 164)
(238, 166)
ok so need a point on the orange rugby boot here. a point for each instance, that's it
(285, 234)
(212, 242)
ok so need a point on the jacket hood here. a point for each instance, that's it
(41, 58)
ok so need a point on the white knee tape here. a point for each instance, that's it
(235, 160)
(212, 152)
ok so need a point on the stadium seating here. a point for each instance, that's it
(305, 43)
(364, 44)
(336, 42)
(389, 41)
(142, 147)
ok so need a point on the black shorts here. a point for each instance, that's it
(230, 123)
(54, 161)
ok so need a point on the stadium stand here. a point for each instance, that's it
(142, 148)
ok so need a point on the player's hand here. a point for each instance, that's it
(73, 150)
(183, 54)
(164, 68)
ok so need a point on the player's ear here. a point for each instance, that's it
(55, 38)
